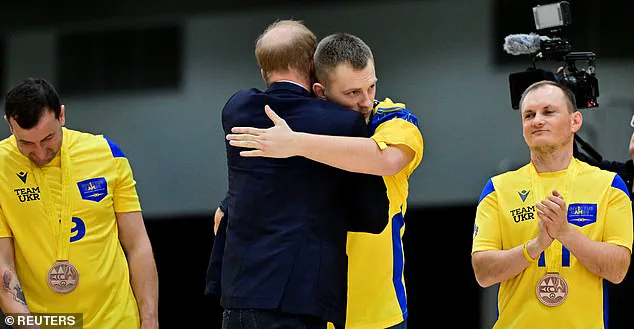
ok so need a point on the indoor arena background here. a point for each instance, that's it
(154, 76)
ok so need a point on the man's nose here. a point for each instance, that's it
(366, 102)
(40, 151)
(539, 120)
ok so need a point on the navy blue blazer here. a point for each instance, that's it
(287, 219)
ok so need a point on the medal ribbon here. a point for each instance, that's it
(553, 254)
(62, 225)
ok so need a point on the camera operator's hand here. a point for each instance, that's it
(560, 71)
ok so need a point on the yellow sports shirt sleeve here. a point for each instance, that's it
(5, 231)
(486, 230)
(125, 196)
(393, 124)
(618, 227)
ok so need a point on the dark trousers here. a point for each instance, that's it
(268, 319)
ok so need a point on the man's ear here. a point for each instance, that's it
(8, 123)
(62, 115)
(319, 90)
(264, 77)
(577, 121)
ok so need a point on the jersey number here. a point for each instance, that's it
(78, 230)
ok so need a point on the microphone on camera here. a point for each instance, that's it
(523, 44)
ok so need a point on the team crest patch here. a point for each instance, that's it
(94, 189)
(582, 214)
(523, 194)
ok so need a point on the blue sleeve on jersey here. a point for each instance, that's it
(114, 148)
(389, 113)
(488, 189)
(618, 182)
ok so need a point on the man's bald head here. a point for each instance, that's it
(286, 45)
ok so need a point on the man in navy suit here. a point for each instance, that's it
(284, 261)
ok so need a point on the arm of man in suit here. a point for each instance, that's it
(369, 204)
(368, 199)
(220, 212)
(356, 154)
(143, 274)
(214, 268)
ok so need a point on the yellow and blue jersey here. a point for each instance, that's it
(376, 287)
(598, 205)
(101, 185)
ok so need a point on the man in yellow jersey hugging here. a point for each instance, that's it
(552, 231)
(72, 237)
(344, 66)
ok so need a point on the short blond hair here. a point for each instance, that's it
(340, 48)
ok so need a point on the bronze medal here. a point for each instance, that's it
(552, 289)
(63, 277)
